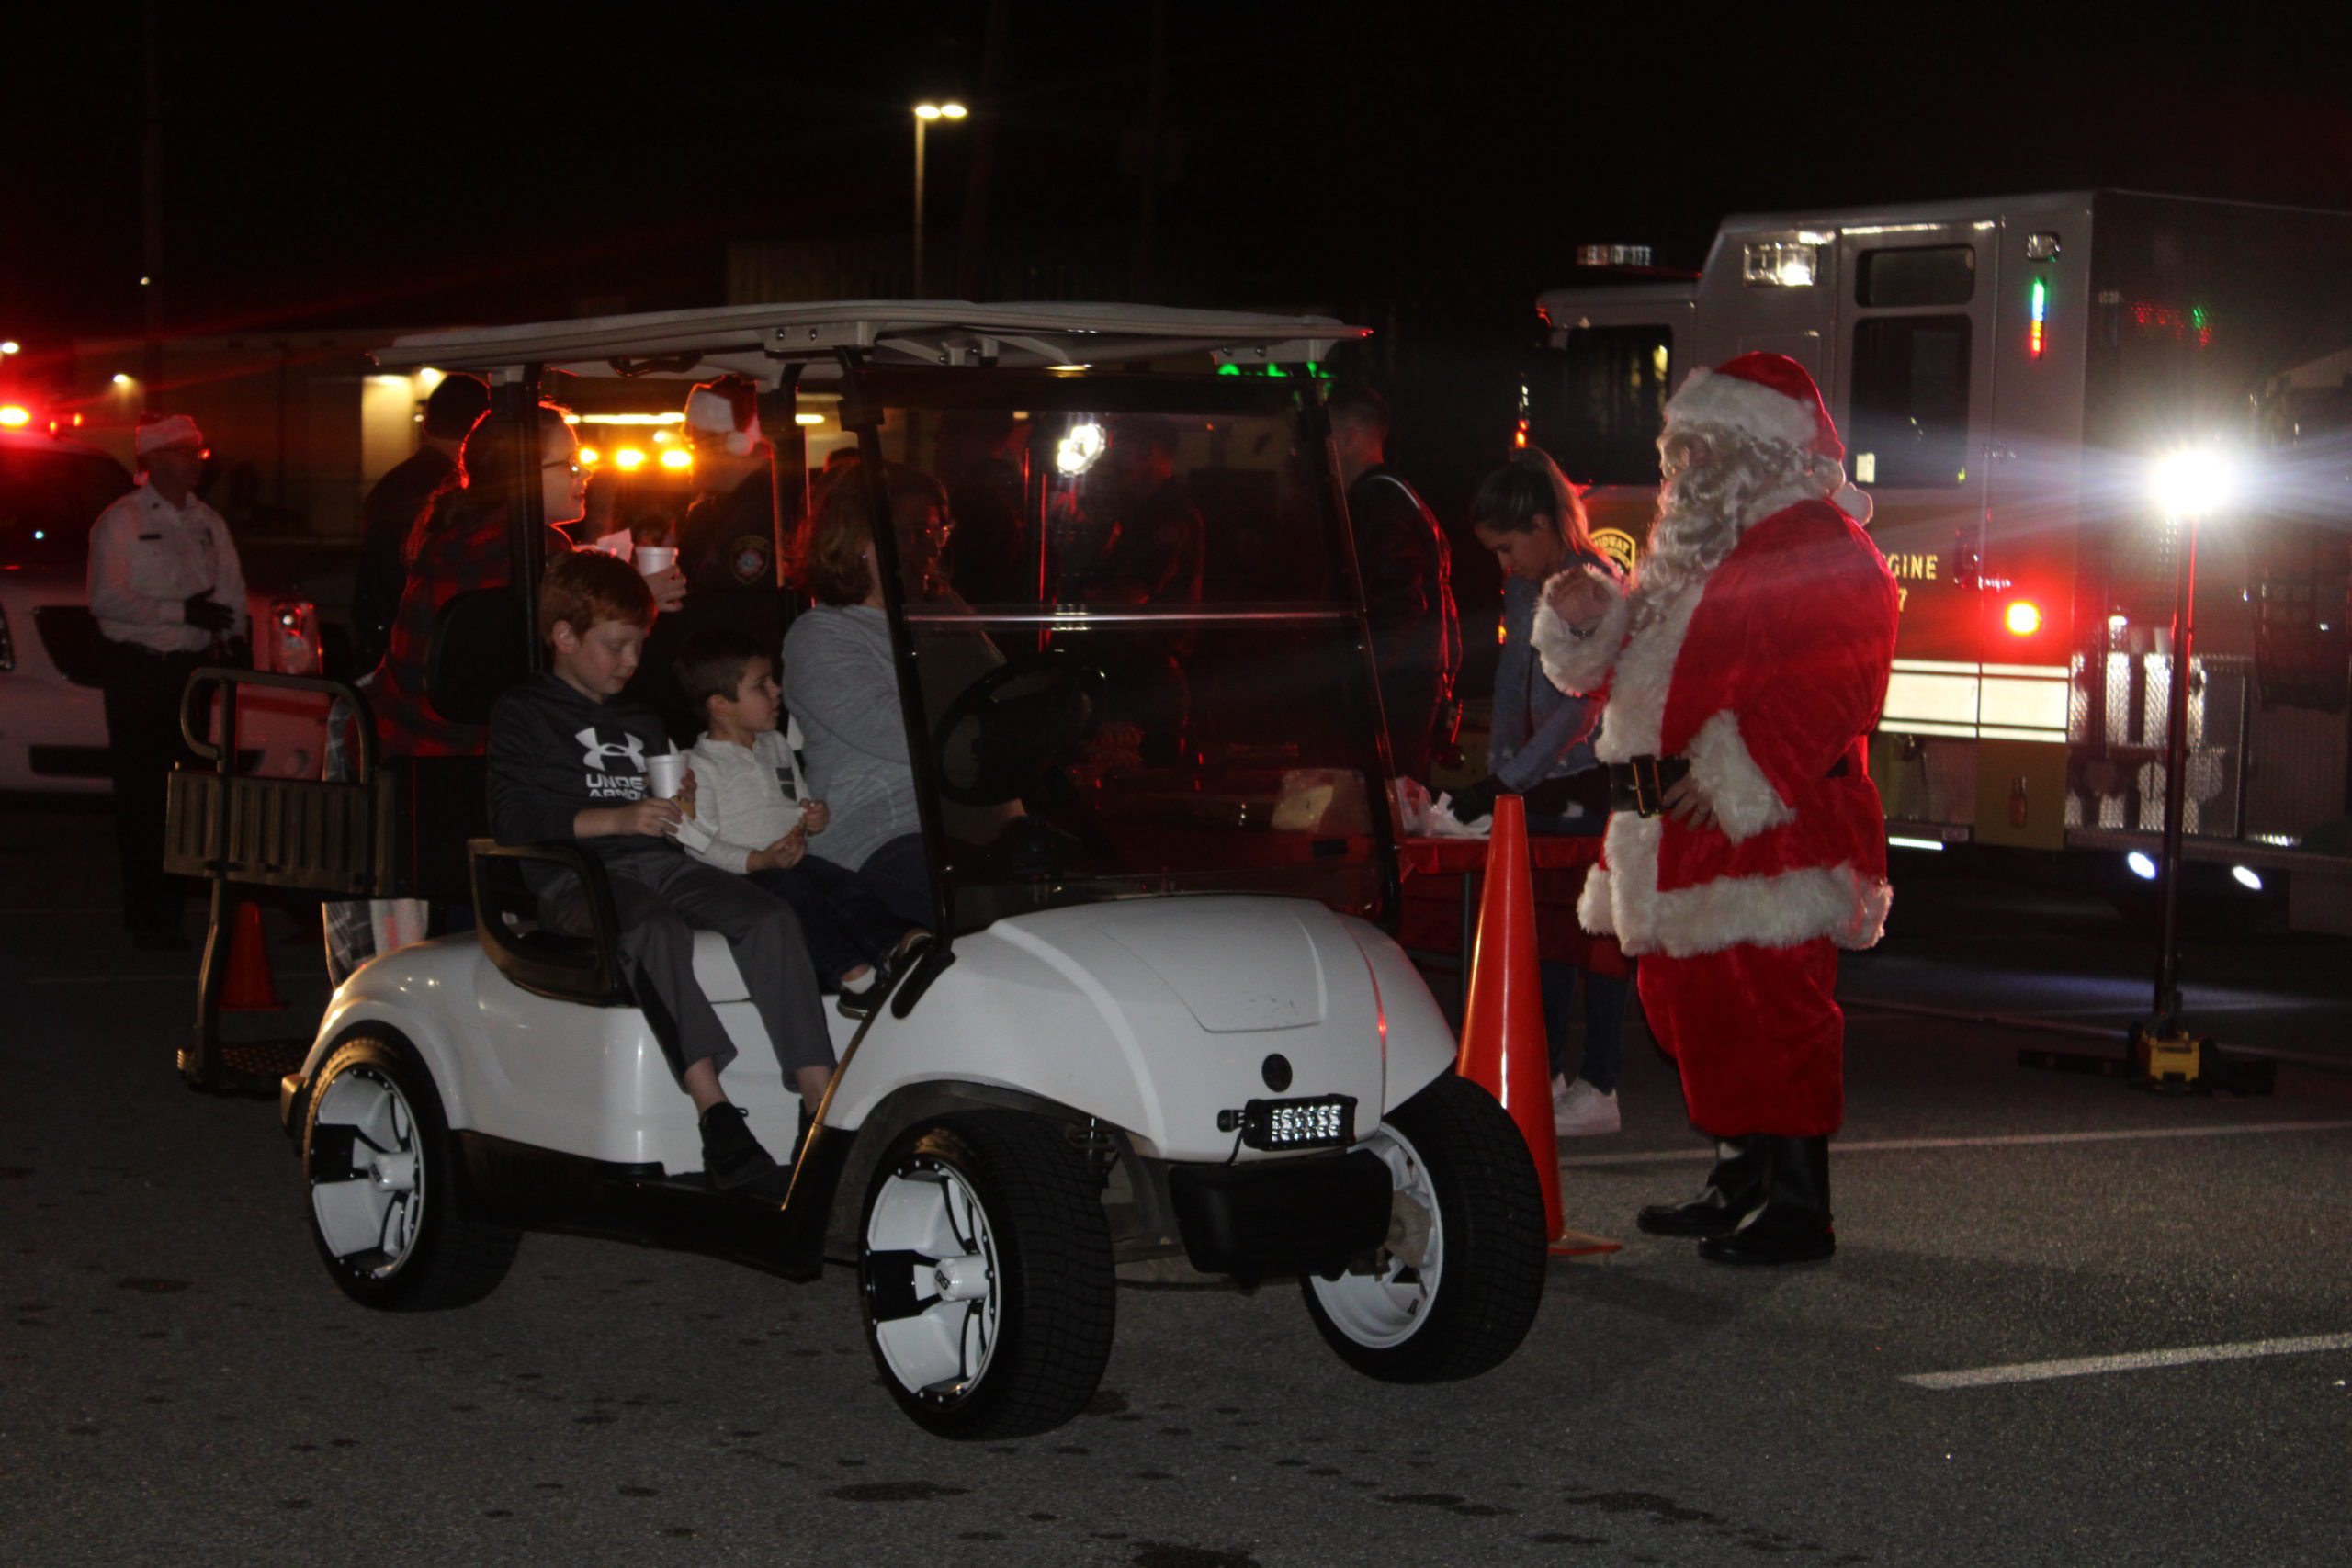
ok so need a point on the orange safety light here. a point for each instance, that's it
(677, 457)
(590, 456)
(2023, 617)
(629, 456)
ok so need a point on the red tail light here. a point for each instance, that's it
(2023, 617)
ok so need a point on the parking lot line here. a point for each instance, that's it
(2137, 1361)
(1886, 1146)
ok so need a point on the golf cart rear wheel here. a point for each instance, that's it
(1454, 1289)
(386, 1212)
(986, 1278)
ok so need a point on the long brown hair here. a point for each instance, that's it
(1521, 495)
(828, 549)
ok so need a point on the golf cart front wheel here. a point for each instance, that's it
(986, 1278)
(385, 1209)
(1455, 1287)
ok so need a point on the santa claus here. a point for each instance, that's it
(1746, 845)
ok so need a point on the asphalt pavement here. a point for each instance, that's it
(179, 1380)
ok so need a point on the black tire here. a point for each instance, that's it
(1490, 1273)
(1051, 1286)
(430, 1253)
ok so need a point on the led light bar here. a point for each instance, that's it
(1322, 1122)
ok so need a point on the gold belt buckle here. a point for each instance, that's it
(1649, 795)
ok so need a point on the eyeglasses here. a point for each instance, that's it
(565, 463)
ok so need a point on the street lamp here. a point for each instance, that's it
(924, 115)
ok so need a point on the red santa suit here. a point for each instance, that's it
(1765, 674)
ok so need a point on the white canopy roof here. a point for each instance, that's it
(758, 340)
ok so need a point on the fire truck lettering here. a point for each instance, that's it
(1920, 569)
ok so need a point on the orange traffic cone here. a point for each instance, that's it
(1504, 1048)
(248, 986)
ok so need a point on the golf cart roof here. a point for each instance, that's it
(761, 341)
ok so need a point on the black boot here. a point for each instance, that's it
(1734, 1189)
(1793, 1224)
(731, 1157)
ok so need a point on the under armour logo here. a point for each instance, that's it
(597, 751)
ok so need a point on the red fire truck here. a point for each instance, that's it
(2011, 376)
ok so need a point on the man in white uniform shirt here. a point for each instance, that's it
(169, 595)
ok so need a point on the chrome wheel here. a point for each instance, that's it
(1382, 1307)
(368, 1175)
(931, 1281)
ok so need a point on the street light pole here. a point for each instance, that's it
(924, 115)
(923, 123)
(2184, 616)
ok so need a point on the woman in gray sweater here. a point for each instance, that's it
(840, 684)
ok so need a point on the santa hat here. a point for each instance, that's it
(171, 430)
(728, 410)
(1767, 397)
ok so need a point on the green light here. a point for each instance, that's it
(1228, 368)
(2196, 317)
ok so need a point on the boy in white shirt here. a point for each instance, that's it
(747, 816)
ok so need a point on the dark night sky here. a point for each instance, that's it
(430, 163)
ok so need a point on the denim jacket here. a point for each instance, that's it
(1556, 742)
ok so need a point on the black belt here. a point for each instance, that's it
(1639, 787)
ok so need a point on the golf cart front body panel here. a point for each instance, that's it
(1155, 1015)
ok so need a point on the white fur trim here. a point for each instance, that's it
(1855, 502)
(1593, 911)
(1733, 402)
(1744, 800)
(1781, 910)
(1579, 664)
(1637, 710)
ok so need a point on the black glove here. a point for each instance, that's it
(207, 614)
(1478, 799)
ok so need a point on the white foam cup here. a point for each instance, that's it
(654, 560)
(665, 773)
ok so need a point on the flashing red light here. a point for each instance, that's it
(1519, 436)
(15, 416)
(2023, 617)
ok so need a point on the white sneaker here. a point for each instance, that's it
(1580, 1110)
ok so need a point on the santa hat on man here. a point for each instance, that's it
(725, 411)
(157, 432)
(1767, 397)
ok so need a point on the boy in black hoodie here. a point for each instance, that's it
(567, 761)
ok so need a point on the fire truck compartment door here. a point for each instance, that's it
(1913, 396)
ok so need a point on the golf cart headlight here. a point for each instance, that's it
(1327, 1121)
(2195, 481)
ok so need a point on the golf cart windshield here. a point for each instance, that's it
(1135, 638)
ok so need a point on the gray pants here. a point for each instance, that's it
(661, 905)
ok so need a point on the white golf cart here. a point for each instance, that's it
(1161, 1019)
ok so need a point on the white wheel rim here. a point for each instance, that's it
(367, 1192)
(927, 1221)
(1385, 1308)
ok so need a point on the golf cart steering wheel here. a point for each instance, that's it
(1004, 728)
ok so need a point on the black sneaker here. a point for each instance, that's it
(859, 1003)
(731, 1157)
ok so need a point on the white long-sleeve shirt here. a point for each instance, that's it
(746, 798)
(147, 557)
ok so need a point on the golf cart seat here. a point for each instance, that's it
(559, 964)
